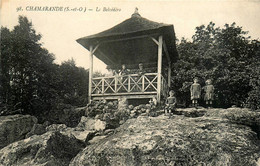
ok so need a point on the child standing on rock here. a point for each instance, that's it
(195, 92)
(170, 103)
(209, 93)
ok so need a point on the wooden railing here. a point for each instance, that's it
(128, 84)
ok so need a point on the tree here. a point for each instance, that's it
(4, 63)
(30, 81)
(225, 55)
(25, 64)
(74, 82)
(253, 100)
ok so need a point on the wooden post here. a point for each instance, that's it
(90, 73)
(103, 85)
(129, 83)
(169, 63)
(159, 69)
(116, 80)
(142, 83)
(169, 74)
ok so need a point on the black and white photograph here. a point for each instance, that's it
(130, 83)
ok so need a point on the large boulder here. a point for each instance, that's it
(49, 149)
(241, 116)
(211, 139)
(37, 129)
(85, 130)
(14, 128)
(80, 134)
(236, 115)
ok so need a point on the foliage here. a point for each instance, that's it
(253, 100)
(225, 55)
(114, 116)
(74, 82)
(24, 65)
(30, 81)
(98, 74)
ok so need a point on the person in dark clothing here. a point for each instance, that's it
(195, 92)
(124, 70)
(141, 70)
(209, 93)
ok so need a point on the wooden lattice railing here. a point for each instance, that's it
(129, 84)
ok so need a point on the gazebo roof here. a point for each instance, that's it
(129, 43)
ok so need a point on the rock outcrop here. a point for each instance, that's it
(210, 137)
(49, 149)
(85, 131)
(82, 135)
(37, 129)
(187, 137)
(14, 128)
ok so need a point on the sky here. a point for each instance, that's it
(60, 29)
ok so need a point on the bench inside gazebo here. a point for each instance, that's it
(135, 40)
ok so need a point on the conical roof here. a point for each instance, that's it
(121, 39)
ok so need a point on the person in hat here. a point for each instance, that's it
(124, 70)
(170, 103)
(209, 93)
(195, 92)
(141, 70)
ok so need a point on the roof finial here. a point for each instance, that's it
(136, 10)
(136, 14)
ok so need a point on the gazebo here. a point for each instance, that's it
(135, 40)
